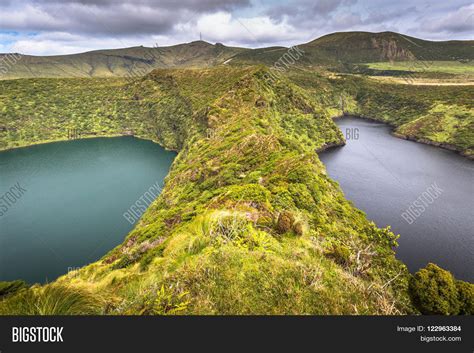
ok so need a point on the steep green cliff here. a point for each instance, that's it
(437, 115)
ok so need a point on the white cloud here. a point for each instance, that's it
(255, 31)
(461, 20)
(29, 18)
(58, 43)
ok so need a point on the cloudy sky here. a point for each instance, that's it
(47, 27)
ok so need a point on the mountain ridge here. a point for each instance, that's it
(330, 49)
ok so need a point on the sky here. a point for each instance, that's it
(49, 27)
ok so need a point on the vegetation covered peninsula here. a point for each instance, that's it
(248, 221)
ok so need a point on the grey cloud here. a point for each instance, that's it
(308, 8)
(347, 21)
(196, 5)
(309, 13)
(289, 22)
(323, 7)
(381, 15)
(107, 17)
(460, 21)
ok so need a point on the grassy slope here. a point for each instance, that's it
(440, 115)
(44, 110)
(362, 47)
(248, 221)
(127, 62)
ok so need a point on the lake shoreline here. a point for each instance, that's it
(83, 199)
(385, 178)
(424, 141)
(45, 142)
(328, 146)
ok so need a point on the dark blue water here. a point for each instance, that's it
(70, 207)
(384, 176)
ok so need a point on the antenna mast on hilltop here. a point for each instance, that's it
(200, 36)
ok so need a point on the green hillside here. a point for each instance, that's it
(437, 115)
(365, 47)
(129, 62)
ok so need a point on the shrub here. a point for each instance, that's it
(299, 228)
(433, 291)
(229, 226)
(248, 192)
(466, 297)
(163, 301)
(302, 197)
(125, 261)
(285, 222)
(148, 257)
(282, 198)
(340, 253)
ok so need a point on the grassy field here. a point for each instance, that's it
(336, 50)
(450, 67)
(131, 62)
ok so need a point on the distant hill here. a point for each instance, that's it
(343, 47)
(135, 61)
(363, 47)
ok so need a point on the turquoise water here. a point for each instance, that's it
(70, 198)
